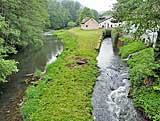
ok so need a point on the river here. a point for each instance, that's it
(110, 97)
(29, 60)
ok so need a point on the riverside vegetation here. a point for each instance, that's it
(22, 24)
(65, 91)
(144, 76)
(141, 16)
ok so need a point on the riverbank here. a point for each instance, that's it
(30, 61)
(144, 77)
(65, 92)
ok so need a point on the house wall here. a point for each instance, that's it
(90, 25)
(108, 24)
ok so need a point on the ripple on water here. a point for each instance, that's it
(110, 97)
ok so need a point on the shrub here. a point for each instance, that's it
(142, 66)
(7, 67)
(149, 100)
(71, 24)
(131, 48)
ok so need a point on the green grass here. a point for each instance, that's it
(64, 94)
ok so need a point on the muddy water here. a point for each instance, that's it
(110, 97)
(29, 61)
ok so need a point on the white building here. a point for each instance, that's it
(108, 22)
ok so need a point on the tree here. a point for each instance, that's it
(143, 14)
(95, 15)
(85, 12)
(73, 7)
(107, 13)
(21, 24)
(6, 66)
(62, 12)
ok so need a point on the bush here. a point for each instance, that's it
(149, 100)
(71, 24)
(131, 48)
(7, 67)
(142, 66)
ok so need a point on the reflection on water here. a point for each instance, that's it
(110, 101)
(29, 61)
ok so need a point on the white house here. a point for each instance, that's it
(108, 22)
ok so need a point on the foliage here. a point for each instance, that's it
(62, 12)
(143, 66)
(86, 12)
(71, 24)
(131, 48)
(107, 13)
(143, 14)
(6, 68)
(73, 7)
(21, 24)
(65, 92)
(95, 14)
(148, 99)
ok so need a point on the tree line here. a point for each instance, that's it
(22, 23)
(68, 13)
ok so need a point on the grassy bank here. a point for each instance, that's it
(145, 80)
(64, 93)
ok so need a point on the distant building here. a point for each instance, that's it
(89, 24)
(108, 22)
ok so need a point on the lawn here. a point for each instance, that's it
(64, 93)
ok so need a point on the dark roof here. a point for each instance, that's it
(103, 18)
(85, 20)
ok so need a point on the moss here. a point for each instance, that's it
(65, 93)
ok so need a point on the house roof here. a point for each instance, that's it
(85, 20)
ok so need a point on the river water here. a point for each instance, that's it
(29, 61)
(110, 97)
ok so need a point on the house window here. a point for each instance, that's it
(86, 25)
